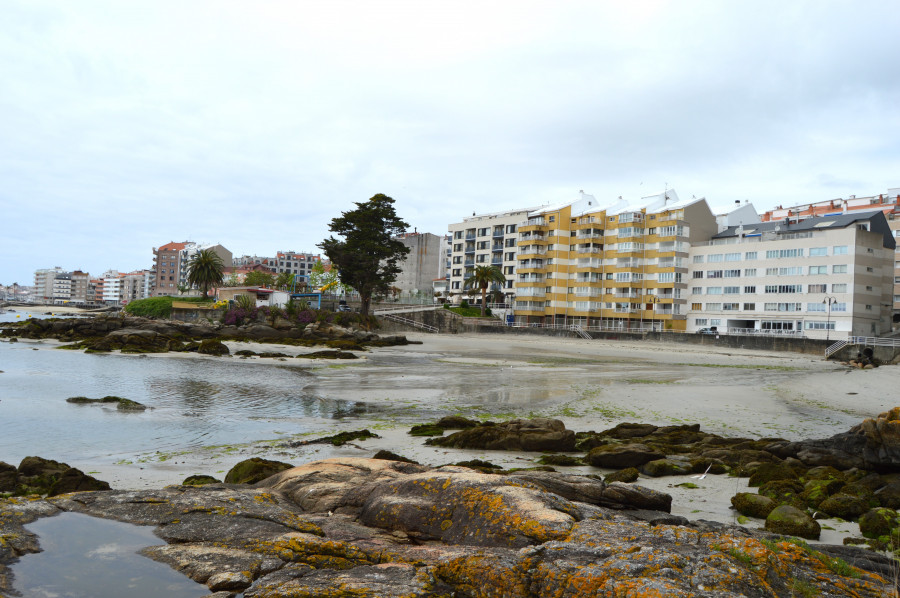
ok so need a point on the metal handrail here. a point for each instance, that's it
(834, 348)
(410, 322)
(875, 341)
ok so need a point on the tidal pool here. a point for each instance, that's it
(87, 557)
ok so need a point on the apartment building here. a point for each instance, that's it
(112, 287)
(485, 240)
(170, 265)
(167, 267)
(887, 203)
(43, 283)
(134, 286)
(618, 266)
(80, 287)
(62, 288)
(822, 277)
(298, 264)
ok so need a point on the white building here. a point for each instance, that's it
(825, 277)
(485, 240)
(43, 283)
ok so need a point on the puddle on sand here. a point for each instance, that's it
(87, 557)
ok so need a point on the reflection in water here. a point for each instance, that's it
(86, 557)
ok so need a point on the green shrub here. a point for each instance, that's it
(152, 307)
(464, 304)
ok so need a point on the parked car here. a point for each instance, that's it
(713, 330)
(344, 308)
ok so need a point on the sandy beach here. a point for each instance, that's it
(590, 385)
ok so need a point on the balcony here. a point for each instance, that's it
(497, 247)
(589, 234)
(498, 232)
(470, 249)
(532, 237)
(531, 263)
(590, 250)
(588, 262)
(531, 292)
(532, 249)
(531, 277)
(496, 261)
(587, 293)
(469, 262)
(529, 305)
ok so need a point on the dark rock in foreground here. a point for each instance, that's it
(361, 527)
(36, 475)
(538, 434)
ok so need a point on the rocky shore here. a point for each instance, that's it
(144, 335)
(389, 527)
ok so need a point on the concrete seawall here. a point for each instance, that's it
(448, 322)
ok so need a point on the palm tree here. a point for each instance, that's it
(205, 269)
(481, 278)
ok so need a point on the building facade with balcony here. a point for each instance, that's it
(43, 283)
(614, 266)
(887, 203)
(484, 240)
(820, 277)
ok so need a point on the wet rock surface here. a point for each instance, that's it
(130, 334)
(371, 527)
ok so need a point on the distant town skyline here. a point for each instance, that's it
(127, 126)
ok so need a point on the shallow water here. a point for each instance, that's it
(86, 557)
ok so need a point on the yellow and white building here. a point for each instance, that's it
(616, 266)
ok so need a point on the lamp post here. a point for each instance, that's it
(654, 300)
(828, 301)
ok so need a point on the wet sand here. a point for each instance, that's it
(590, 385)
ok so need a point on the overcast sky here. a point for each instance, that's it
(126, 125)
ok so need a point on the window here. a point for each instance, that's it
(771, 271)
(700, 321)
(838, 307)
(732, 257)
(713, 307)
(784, 288)
(750, 255)
(783, 253)
(839, 269)
(818, 251)
(715, 322)
(510, 228)
(483, 232)
(732, 273)
(869, 307)
(509, 242)
(714, 291)
(749, 306)
(816, 288)
(698, 259)
(732, 290)
(839, 250)
(458, 247)
(818, 270)
(714, 274)
(457, 259)
(783, 306)
(750, 289)
(731, 306)
(696, 306)
(839, 288)
(815, 325)
(815, 307)
(552, 218)
(698, 274)
(869, 269)
(457, 272)
(510, 256)
(716, 257)
(454, 284)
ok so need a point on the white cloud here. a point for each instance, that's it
(128, 125)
